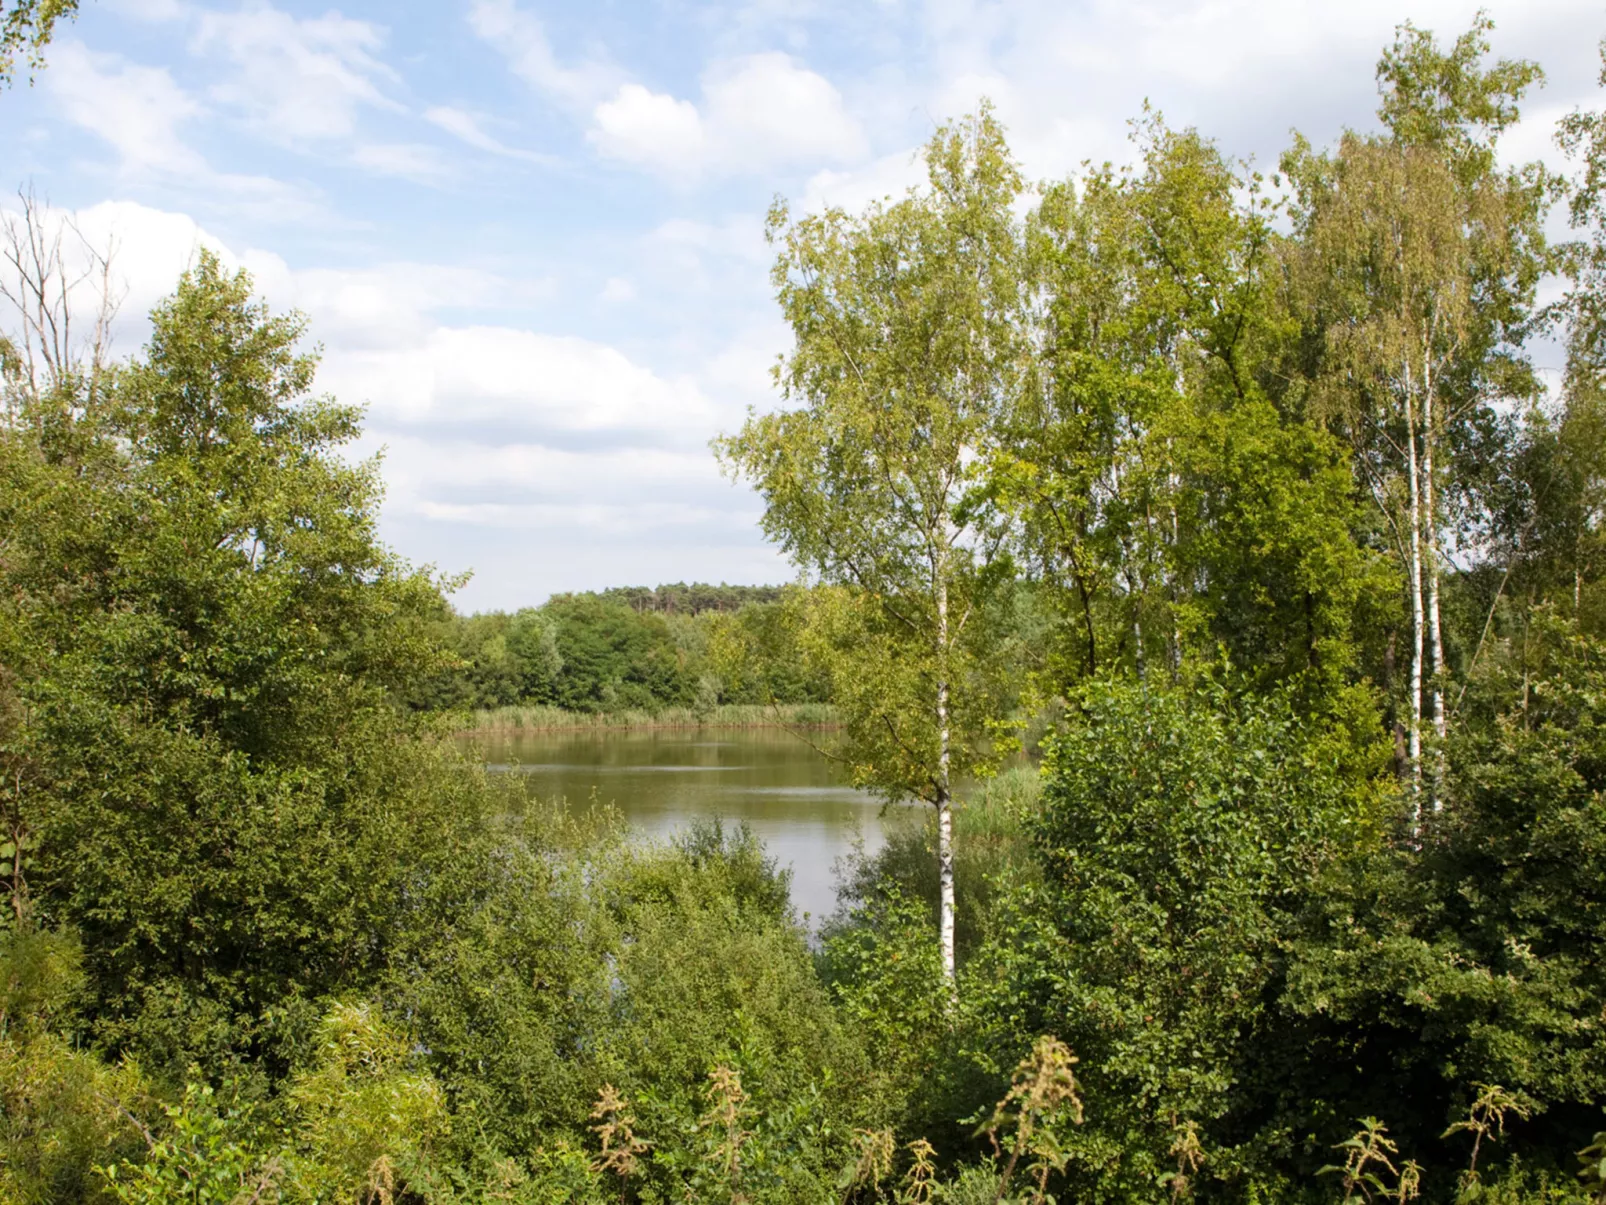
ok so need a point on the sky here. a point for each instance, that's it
(528, 236)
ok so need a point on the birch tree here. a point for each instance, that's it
(26, 27)
(1170, 490)
(905, 362)
(1421, 258)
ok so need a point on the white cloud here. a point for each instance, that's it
(522, 39)
(1068, 78)
(485, 427)
(137, 110)
(594, 519)
(738, 237)
(743, 369)
(393, 306)
(757, 113)
(608, 492)
(468, 128)
(409, 160)
(148, 249)
(519, 380)
(524, 471)
(149, 10)
(765, 109)
(650, 129)
(885, 179)
(296, 80)
(451, 390)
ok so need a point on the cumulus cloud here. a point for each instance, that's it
(651, 129)
(540, 456)
(569, 442)
(521, 381)
(885, 179)
(465, 472)
(757, 113)
(1068, 78)
(394, 305)
(485, 426)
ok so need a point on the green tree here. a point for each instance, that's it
(1171, 490)
(204, 646)
(905, 366)
(1420, 259)
(1582, 134)
(1179, 832)
(26, 26)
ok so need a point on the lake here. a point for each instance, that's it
(792, 797)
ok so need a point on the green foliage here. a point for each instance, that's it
(206, 767)
(905, 367)
(1178, 835)
(1164, 474)
(882, 677)
(360, 1111)
(28, 25)
(678, 598)
(620, 651)
(1041, 1101)
(63, 1112)
(1451, 102)
(1472, 961)
(992, 854)
(1147, 467)
(1593, 1173)
(1369, 1167)
(200, 1158)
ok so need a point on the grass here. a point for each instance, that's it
(727, 715)
(996, 806)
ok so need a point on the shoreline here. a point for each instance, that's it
(499, 729)
(504, 720)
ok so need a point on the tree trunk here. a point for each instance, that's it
(945, 819)
(1430, 529)
(1417, 641)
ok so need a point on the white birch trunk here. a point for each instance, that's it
(1430, 528)
(945, 820)
(1417, 641)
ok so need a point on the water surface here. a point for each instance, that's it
(791, 796)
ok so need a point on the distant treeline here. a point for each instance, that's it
(681, 599)
(627, 649)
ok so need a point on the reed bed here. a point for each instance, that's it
(727, 715)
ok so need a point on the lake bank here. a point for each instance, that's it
(728, 715)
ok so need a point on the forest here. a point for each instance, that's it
(624, 650)
(1217, 554)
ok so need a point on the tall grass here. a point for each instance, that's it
(996, 806)
(726, 715)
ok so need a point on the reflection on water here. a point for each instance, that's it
(790, 795)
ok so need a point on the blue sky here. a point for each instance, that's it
(529, 235)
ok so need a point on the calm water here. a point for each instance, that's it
(790, 796)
